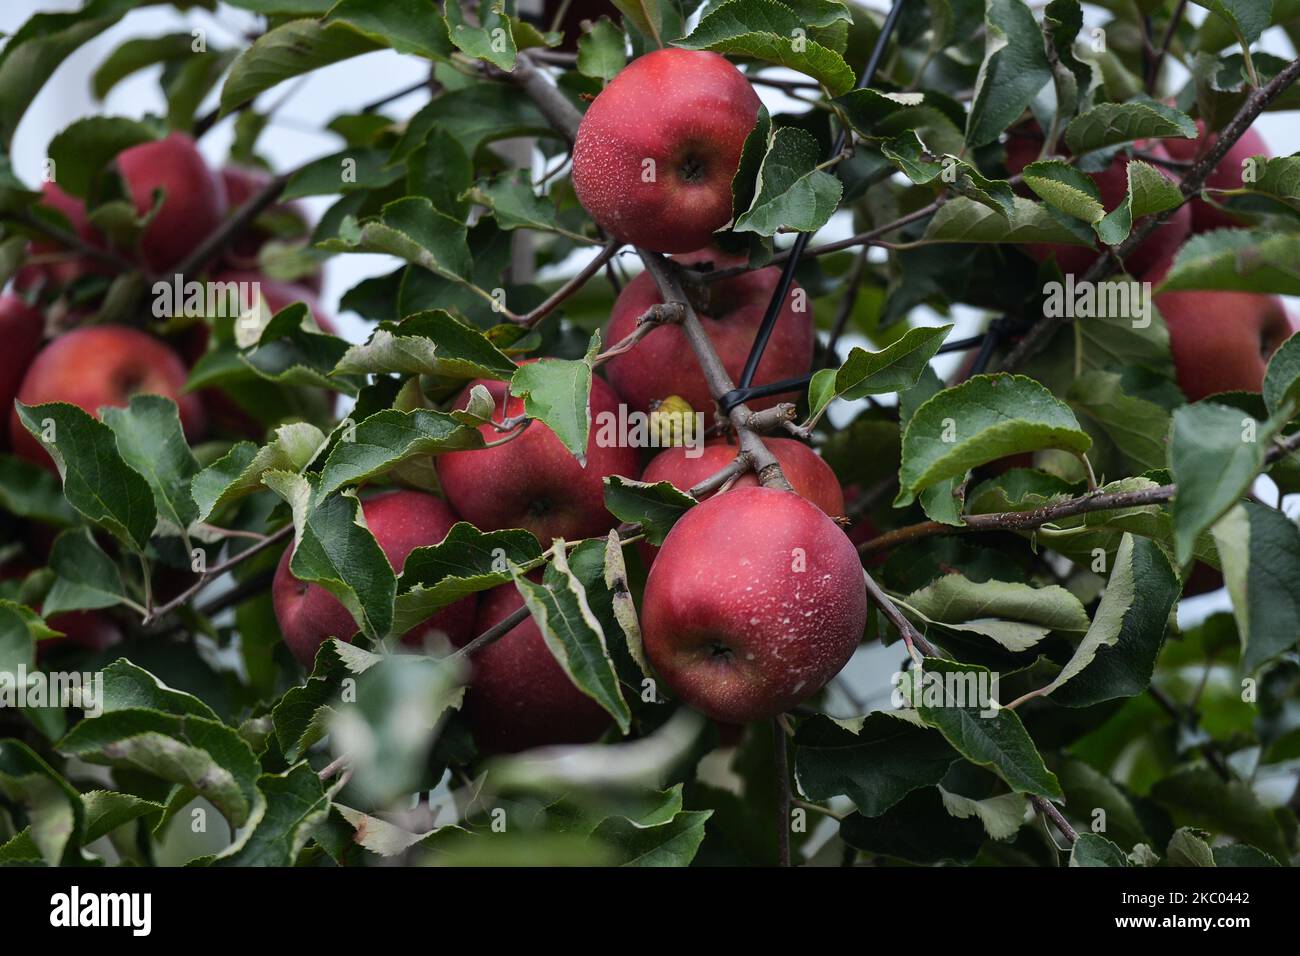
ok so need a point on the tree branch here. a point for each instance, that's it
(216, 571)
(217, 241)
(1048, 809)
(571, 286)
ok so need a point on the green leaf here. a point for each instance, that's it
(1110, 124)
(574, 635)
(239, 472)
(770, 31)
(1239, 260)
(413, 230)
(1282, 379)
(202, 755)
(150, 440)
(1093, 850)
(386, 439)
(557, 392)
(1139, 428)
(1187, 847)
(128, 687)
(1149, 192)
(56, 818)
(912, 157)
(793, 194)
(1238, 854)
(993, 738)
(136, 54)
(1246, 18)
(1260, 550)
(893, 369)
(334, 548)
(1015, 615)
(106, 810)
(1066, 188)
(441, 171)
(1117, 656)
(408, 26)
(85, 577)
(20, 629)
(876, 760)
(96, 481)
(1199, 798)
(601, 51)
(490, 40)
(288, 50)
(918, 829)
(1086, 788)
(427, 343)
(290, 350)
(29, 491)
(655, 507)
(1002, 815)
(465, 562)
(514, 203)
(965, 220)
(352, 170)
(673, 843)
(39, 47)
(84, 148)
(295, 806)
(983, 419)
(388, 732)
(1215, 452)
(1014, 70)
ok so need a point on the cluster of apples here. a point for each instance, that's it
(755, 599)
(98, 365)
(1221, 340)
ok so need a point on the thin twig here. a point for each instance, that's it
(782, 759)
(217, 570)
(1049, 810)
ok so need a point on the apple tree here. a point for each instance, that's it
(661, 514)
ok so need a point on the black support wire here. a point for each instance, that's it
(743, 389)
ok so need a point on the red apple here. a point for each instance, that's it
(194, 203)
(657, 149)
(1023, 146)
(663, 364)
(102, 365)
(1221, 341)
(533, 481)
(401, 521)
(755, 601)
(21, 331)
(1226, 175)
(519, 697)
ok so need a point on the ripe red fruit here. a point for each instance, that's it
(194, 204)
(806, 470)
(401, 521)
(755, 601)
(102, 365)
(533, 481)
(21, 331)
(519, 697)
(657, 149)
(1226, 175)
(661, 365)
(1023, 147)
(1221, 341)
